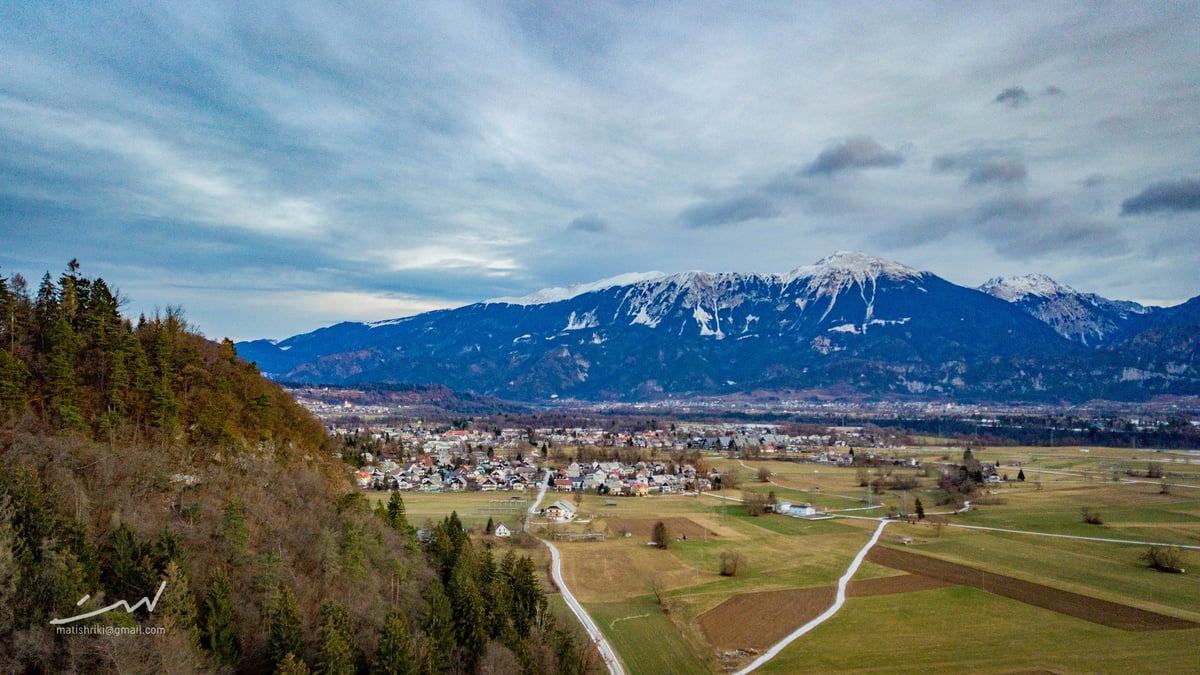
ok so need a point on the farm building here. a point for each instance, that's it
(561, 510)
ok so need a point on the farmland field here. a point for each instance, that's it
(672, 610)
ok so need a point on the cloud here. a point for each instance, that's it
(1053, 91)
(588, 223)
(860, 152)
(998, 170)
(1179, 195)
(1020, 227)
(729, 211)
(1013, 97)
(982, 167)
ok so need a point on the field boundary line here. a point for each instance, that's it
(1074, 536)
(827, 614)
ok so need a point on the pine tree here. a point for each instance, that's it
(235, 532)
(1021, 475)
(920, 509)
(285, 630)
(291, 665)
(61, 376)
(395, 653)
(218, 628)
(397, 518)
(528, 602)
(336, 651)
(470, 628)
(438, 624)
(176, 609)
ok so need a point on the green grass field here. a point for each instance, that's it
(955, 629)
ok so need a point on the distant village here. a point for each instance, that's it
(625, 463)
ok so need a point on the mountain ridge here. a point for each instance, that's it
(850, 322)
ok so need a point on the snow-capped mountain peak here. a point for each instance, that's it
(845, 267)
(1016, 288)
(1085, 318)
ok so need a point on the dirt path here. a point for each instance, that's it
(827, 614)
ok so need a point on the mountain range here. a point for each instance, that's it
(852, 325)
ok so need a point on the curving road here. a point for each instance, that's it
(606, 651)
(827, 614)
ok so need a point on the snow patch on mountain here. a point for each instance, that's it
(588, 320)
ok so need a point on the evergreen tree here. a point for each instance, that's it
(285, 630)
(470, 627)
(438, 624)
(218, 629)
(395, 653)
(128, 571)
(528, 603)
(396, 516)
(336, 651)
(14, 380)
(491, 526)
(1021, 475)
(176, 609)
(61, 377)
(920, 509)
(235, 532)
(291, 665)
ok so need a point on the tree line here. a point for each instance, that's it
(138, 455)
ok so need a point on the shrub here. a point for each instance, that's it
(731, 563)
(1164, 558)
(662, 537)
(1090, 516)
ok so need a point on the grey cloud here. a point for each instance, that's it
(729, 211)
(1013, 97)
(588, 223)
(1010, 208)
(1052, 91)
(860, 152)
(998, 170)
(1179, 195)
(1021, 227)
(982, 167)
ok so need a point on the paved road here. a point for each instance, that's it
(606, 651)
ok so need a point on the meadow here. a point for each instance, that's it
(663, 610)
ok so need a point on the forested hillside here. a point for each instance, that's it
(138, 456)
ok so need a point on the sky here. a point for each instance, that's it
(276, 168)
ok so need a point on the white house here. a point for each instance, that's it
(502, 531)
(804, 511)
(561, 510)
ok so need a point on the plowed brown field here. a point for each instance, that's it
(759, 620)
(644, 527)
(1099, 611)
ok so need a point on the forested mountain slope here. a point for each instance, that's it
(138, 458)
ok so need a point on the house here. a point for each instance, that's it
(502, 531)
(561, 510)
(805, 511)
